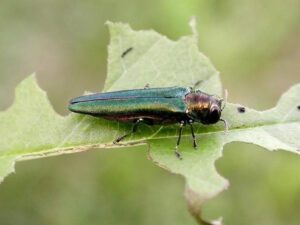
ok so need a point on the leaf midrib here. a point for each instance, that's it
(138, 142)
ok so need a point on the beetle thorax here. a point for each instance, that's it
(197, 101)
(201, 107)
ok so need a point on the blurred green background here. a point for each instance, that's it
(256, 46)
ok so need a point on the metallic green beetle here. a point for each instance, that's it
(153, 106)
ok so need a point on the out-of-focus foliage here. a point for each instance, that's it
(255, 45)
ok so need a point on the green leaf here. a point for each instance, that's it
(30, 128)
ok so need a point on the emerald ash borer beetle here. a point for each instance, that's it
(152, 106)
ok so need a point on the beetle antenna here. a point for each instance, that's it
(196, 84)
(224, 99)
(225, 125)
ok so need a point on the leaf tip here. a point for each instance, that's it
(117, 27)
(7, 167)
(28, 83)
(29, 79)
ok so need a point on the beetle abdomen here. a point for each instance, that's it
(157, 104)
(131, 108)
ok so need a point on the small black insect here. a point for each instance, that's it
(126, 52)
(298, 107)
(241, 109)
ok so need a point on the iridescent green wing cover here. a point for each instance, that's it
(156, 104)
(169, 92)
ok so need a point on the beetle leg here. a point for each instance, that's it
(225, 125)
(178, 140)
(134, 129)
(196, 84)
(193, 134)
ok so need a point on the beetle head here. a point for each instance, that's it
(203, 108)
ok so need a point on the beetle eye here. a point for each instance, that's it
(214, 115)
